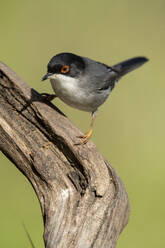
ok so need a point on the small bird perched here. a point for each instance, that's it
(84, 83)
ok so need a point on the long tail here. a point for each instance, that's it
(129, 65)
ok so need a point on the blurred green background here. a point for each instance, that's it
(129, 130)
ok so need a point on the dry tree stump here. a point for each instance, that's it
(83, 202)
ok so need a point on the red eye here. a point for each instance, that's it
(65, 69)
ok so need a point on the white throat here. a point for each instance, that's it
(68, 89)
(64, 85)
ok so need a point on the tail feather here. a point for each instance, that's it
(129, 65)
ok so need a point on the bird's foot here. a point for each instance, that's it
(48, 97)
(86, 137)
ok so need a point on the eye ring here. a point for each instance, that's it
(65, 69)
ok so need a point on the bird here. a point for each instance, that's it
(85, 84)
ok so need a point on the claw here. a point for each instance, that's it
(86, 137)
(48, 97)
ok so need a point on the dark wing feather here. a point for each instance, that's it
(119, 70)
(110, 80)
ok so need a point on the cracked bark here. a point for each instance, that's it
(83, 201)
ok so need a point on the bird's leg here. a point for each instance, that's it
(87, 136)
(48, 97)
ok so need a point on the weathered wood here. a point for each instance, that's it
(83, 201)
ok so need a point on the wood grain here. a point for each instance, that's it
(83, 202)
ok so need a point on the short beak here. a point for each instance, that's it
(46, 76)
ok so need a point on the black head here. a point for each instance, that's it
(68, 64)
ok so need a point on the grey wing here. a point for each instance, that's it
(100, 76)
(110, 80)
